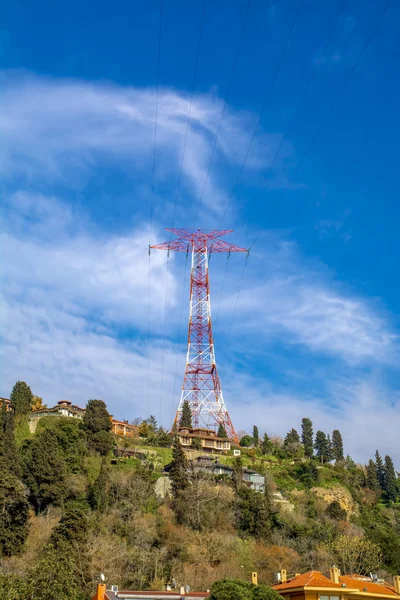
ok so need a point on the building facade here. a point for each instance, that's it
(208, 439)
(316, 586)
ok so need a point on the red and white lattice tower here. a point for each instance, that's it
(201, 385)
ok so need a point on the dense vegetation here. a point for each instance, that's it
(70, 510)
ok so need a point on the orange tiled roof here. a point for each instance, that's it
(359, 582)
(310, 579)
(355, 583)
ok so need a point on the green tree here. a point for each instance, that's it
(253, 513)
(291, 444)
(13, 587)
(292, 437)
(221, 431)
(266, 445)
(44, 469)
(256, 437)
(335, 511)
(13, 515)
(62, 573)
(237, 475)
(246, 441)
(380, 470)
(98, 491)
(322, 446)
(21, 398)
(230, 589)
(163, 438)
(337, 445)
(355, 554)
(307, 437)
(236, 589)
(179, 468)
(102, 442)
(9, 456)
(96, 417)
(372, 477)
(196, 443)
(390, 481)
(186, 416)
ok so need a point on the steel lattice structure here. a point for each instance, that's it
(201, 385)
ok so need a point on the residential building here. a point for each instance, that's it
(123, 428)
(63, 408)
(7, 403)
(254, 480)
(114, 594)
(316, 586)
(209, 440)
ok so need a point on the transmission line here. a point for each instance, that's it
(177, 195)
(328, 114)
(263, 108)
(223, 111)
(152, 202)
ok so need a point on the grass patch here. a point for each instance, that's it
(22, 431)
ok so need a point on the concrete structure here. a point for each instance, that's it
(209, 440)
(316, 586)
(123, 428)
(5, 401)
(63, 408)
(254, 480)
(114, 594)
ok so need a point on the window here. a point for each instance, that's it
(329, 598)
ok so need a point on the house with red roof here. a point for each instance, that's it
(316, 586)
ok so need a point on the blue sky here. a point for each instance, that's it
(314, 328)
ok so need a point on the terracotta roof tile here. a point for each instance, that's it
(355, 583)
(370, 586)
(310, 579)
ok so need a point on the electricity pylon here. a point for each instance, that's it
(201, 385)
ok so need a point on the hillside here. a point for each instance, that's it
(71, 509)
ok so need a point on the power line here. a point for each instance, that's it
(223, 110)
(190, 111)
(263, 108)
(152, 202)
(328, 114)
(177, 195)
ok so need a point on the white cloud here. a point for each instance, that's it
(51, 128)
(298, 300)
(364, 410)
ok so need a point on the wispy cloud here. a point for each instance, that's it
(52, 129)
(300, 301)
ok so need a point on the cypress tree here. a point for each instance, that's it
(8, 450)
(96, 417)
(292, 437)
(97, 496)
(237, 475)
(322, 446)
(186, 416)
(14, 514)
(372, 481)
(337, 445)
(266, 445)
(307, 437)
(256, 437)
(380, 470)
(221, 431)
(179, 469)
(390, 481)
(44, 469)
(21, 398)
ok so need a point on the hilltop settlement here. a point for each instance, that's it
(96, 507)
